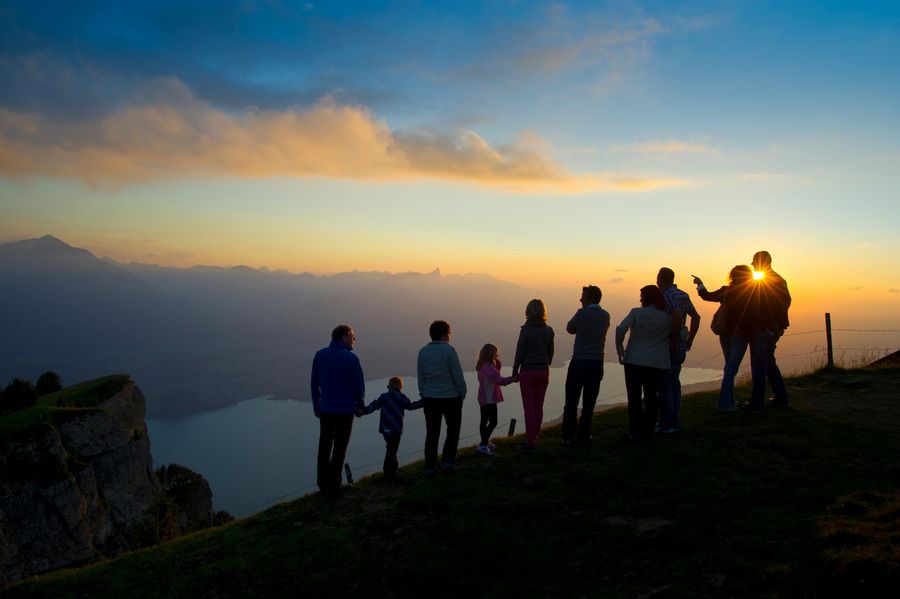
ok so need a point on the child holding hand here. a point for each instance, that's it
(390, 425)
(489, 394)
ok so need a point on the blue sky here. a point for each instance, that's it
(547, 143)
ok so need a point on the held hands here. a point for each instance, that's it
(621, 357)
(359, 413)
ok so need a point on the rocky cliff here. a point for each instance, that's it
(76, 478)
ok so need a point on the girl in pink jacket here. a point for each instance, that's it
(489, 394)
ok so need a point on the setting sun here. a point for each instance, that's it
(758, 275)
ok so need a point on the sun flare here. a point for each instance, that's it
(758, 275)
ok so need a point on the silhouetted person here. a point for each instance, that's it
(680, 307)
(534, 354)
(774, 301)
(589, 325)
(338, 389)
(736, 297)
(646, 360)
(442, 389)
(392, 404)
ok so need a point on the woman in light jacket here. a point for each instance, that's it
(652, 332)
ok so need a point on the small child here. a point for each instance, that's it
(390, 424)
(489, 394)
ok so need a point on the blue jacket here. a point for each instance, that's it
(392, 405)
(337, 380)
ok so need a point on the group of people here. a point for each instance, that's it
(753, 313)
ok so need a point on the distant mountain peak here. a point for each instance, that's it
(45, 243)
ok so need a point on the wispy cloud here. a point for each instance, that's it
(854, 288)
(893, 290)
(182, 136)
(670, 146)
(615, 280)
(761, 176)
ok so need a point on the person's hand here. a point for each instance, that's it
(621, 358)
(359, 413)
(316, 412)
(689, 343)
(515, 378)
(697, 281)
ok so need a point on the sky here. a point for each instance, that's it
(545, 143)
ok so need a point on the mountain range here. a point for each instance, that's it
(206, 337)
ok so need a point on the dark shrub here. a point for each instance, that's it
(47, 383)
(18, 394)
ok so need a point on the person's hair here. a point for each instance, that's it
(763, 259)
(438, 329)
(339, 332)
(536, 311)
(740, 274)
(666, 275)
(395, 382)
(592, 293)
(487, 355)
(652, 296)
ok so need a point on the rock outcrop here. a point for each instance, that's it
(74, 485)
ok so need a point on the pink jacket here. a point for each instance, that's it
(489, 383)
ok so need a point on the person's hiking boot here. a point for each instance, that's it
(779, 403)
(484, 450)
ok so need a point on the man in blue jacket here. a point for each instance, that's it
(338, 389)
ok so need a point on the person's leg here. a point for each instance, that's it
(592, 377)
(667, 399)
(653, 381)
(737, 346)
(529, 392)
(725, 343)
(676, 394)
(758, 357)
(773, 372)
(491, 423)
(542, 381)
(323, 460)
(392, 444)
(633, 390)
(433, 415)
(483, 423)
(453, 418)
(343, 428)
(574, 385)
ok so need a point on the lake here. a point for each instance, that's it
(259, 452)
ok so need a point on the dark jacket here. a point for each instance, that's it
(392, 403)
(534, 349)
(336, 380)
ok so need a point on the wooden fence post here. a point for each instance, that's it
(828, 341)
(512, 428)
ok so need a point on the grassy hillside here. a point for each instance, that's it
(800, 501)
(83, 396)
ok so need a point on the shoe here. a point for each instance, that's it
(729, 409)
(484, 450)
(779, 403)
(447, 468)
(492, 446)
(528, 448)
(747, 407)
(429, 472)
(567, 443)
(666, 431)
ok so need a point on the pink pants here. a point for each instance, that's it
(533, 384)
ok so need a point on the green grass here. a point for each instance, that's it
(801, 501)
(86, 395)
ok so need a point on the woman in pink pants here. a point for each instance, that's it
(534, 354)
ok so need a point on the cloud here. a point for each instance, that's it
(670, 146)
(615, 280)
(761, 176)
(176, 135)
(893, 290)
(854, 288)
(621, 270)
